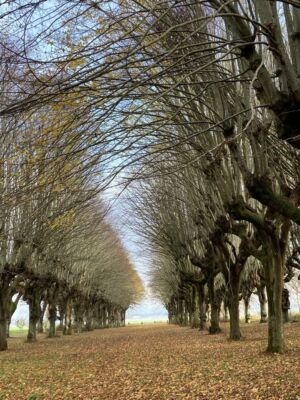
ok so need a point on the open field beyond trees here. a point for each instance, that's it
(152, 362)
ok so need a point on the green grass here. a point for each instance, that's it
(18, 332)
(294, 317)
(144, 322)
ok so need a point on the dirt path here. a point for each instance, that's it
(151, 362)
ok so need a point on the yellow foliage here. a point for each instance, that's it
(62, 221)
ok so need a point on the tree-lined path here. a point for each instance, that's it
(152, 362)
(150, 149)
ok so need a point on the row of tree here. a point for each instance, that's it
(219, 196)
(57, 249)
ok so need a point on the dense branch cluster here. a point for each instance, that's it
(198, 103)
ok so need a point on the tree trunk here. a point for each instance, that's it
(263, 305)
(247, 310)
(52, 300)
(52, 320)
(234, 302)
(89, 323)
(62, 313)
(123, 317)
(40, 327)
(202, 307)
(104, 318)
(285, 305)
(185, 313)
(34, 314)
(117, 318)
(4, 315)
(170, 315)
(78, 316)
(68, 318)
(275, 327)
(215, 309)
(176, 311)
(89, 317)
(97, 323)
(180, 311)
(274, 282)
(110, 317)
(195, 320)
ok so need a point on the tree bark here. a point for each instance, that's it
(234, 302)
(4, 315)
(215, 309)
(202, 307)
(34, 314)
(275, 328)
(285, 305)
(52, 320)
(274, 282)
(123, 317)
(104, 317)
(195, 320)
(68, 318)
(180, 311)
(62, 313)
(89, 317)
(185, 313)
(52, 300)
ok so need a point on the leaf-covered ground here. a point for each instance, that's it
(152, 362)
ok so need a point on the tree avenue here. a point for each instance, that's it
(195, 104)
